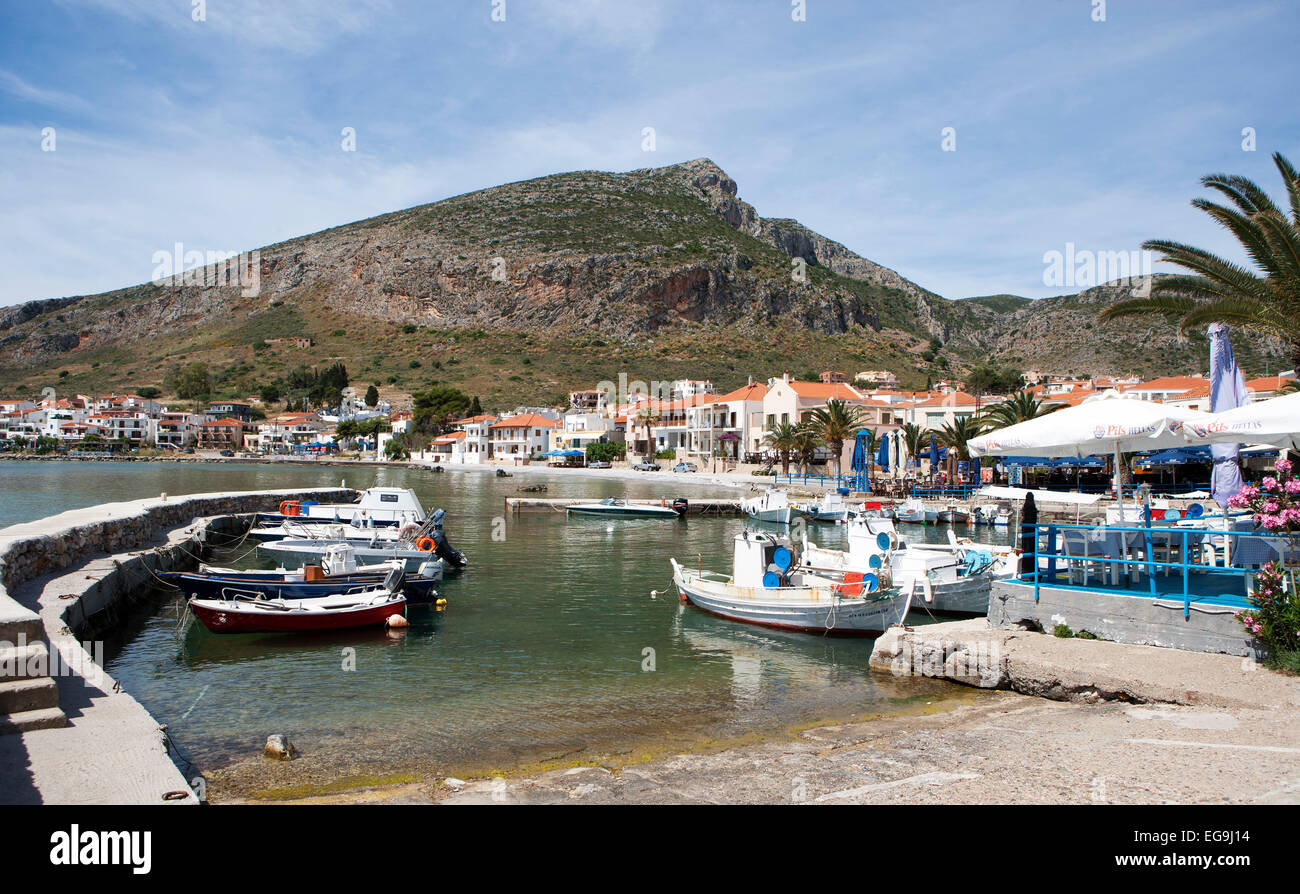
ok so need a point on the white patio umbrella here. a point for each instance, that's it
(1275, 422)
(1110, 422)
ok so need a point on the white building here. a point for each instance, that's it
(523, 435)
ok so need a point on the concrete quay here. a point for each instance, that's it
(74, 737)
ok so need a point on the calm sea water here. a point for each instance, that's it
(551, 643)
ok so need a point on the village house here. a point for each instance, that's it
(522, 436)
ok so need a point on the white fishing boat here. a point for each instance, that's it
(915, 512)
(954, 577)
(770, 506)
(376, 507)
(952, 514)
(997, 515)
(766, 586)
(830, 508)
(413, 558)
(624, 509)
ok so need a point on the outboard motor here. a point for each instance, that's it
(680, 505)
(441, 548)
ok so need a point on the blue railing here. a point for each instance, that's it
(848, 481)
(944, 491)
(1125, 552)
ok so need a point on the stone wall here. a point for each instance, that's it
(99, 539)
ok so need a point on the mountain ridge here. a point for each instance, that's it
(669, 254)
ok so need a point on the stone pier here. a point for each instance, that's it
(74, 735)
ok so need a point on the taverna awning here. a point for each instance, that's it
(1275, 422)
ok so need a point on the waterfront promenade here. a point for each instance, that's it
(68, 733)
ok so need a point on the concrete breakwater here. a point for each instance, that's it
(64, 580)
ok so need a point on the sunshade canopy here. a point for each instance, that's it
(1275, 421)
(1109, 422)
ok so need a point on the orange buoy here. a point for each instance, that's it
(290, 507)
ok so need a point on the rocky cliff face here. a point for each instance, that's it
(622, 255)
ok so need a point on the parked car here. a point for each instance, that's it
(227, 453)
(685, 467)
(647, 465)
(599, 464)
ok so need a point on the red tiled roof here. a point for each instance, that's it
(527, 420)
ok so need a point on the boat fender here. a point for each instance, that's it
(290, 507)
(425, 544)
(396, 621)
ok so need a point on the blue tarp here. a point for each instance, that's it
(1175, 456)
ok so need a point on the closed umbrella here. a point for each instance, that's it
(1227, 392)
(882, 455)
(934, 456)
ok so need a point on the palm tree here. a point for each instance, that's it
(835, 423)
(916, 439)
(1020, 407)
(806, 442)
(954, 435)
(783, 438)
(648, 416)
(1219, 291)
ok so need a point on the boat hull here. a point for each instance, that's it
(246, 617)
(316, 549)
(624, 511)
(821, 613)
(271, 585)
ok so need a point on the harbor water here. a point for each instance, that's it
(552, 646)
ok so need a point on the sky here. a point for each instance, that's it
(128, 126)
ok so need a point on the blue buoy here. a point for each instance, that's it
(1196, 510)
(771, 580)
(882, 540)
(870, 583)
(782, 558)
(875, 562)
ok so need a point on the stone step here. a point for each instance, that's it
(17, 621)
(26, 721)
(17, 696)
(32, 661)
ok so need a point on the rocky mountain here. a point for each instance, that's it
(647, 264)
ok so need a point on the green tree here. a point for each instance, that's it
(148, 392)
(916, 439)
(806, 442)
(372, 396)
(834, 424)
(1020, 407)
(648, 417)
(438, 405)
(191, 382)
(1216, 290)
(955, 435)
(784, 439)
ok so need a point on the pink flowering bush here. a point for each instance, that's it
(1275, 620)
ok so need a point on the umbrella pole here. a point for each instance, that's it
(1119, 492)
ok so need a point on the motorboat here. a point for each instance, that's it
(370, 608)
(954, 577)
(915, 512)
(375, 507)
(624, 509)
(768, 587)
(830, 508)
(337, 573)
(417, 545)
(998, 516)
(953, 514)
(770, 506)
(323, 529)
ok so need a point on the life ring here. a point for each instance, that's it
(425, 544)
(291, 507)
